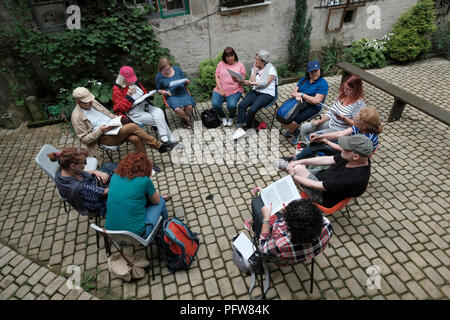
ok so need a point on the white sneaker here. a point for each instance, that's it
(230, 122)
(224, 122)
(239, 133)
(280, 164)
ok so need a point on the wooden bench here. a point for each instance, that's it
(401, 97)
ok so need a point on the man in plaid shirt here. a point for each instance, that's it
(297, 235)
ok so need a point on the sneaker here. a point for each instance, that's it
(166, 146)
(288, 159)
(177, 145)
(280, 164)
(239, 133)
(287, 134)
(295, 138)
(224, 122)
(248, 225)
(156, 169)
(230, 122)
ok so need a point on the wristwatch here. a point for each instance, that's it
(266, 221)
(301, 95)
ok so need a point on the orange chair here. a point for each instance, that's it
(166, 106)
(333, 209)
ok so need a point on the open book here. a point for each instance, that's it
(142, 98)
(279, 192)
(175, 83)
(244, 246)
(115, 122)
(235, 74)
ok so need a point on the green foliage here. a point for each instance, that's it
(300, 45)
(366, 53)
(203, 86)
(109, 38)
(441, 41)
(409, 41)
(330, 56)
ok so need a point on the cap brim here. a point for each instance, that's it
(88, 98)
(131, 79)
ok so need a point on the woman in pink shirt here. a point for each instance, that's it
(226, 89)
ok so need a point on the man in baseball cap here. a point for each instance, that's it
(348, 175)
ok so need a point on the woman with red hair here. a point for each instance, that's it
(341, 114)
(133, 203)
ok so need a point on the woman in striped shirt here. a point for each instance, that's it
(341, 114)
(367, 122)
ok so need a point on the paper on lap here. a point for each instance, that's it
(115, 122)
(279, 192)
(235, 74)
(145, 96)
(175, 83)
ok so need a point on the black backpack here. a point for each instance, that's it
(210, 119)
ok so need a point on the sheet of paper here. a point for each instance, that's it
(115, 122)
(175, 83)
(145, 96)
(329, 109)
(235, 74)
(244, 245)
(139, 93)
(279, 192)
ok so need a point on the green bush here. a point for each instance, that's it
(203, 86)
(409, 41)
(300, 44)
(110, 37)
(330, 56)
(441, 41)
(366, 53)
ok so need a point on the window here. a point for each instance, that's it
(164, 8)
(50, 16)
(348, 15)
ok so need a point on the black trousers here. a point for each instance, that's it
(257, 205)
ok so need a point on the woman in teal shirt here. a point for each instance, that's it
(133, 203)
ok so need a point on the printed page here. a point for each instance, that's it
(115, 122)
(175, 83)
(139, 93)
(329, 109)
(244, 246)
(145, 96)
(235, 74)
(279, 192)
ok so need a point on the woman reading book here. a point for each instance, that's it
(177, 97)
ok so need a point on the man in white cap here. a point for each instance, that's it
(90, 119)
(348, 175)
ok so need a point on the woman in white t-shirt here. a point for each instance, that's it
(263, 81)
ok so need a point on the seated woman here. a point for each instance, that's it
(297, 234)
(133, 203)
(86, 190)
(367, 122)
(177, 97)
(263, 80)
(310, 90)
(126, 90)
(226, 89)
(340, 115)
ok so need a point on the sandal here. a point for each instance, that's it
(166, 197)
(186, 124)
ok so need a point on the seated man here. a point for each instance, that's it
(296, 235)
(348, 175)
(89, 119)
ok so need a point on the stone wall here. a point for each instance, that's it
(207, 30)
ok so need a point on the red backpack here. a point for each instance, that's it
(179, 244)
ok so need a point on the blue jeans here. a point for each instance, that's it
(307, 113)
(152, 214)
(255, 101)
(232, 100)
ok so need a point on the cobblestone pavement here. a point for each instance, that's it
(400, 223)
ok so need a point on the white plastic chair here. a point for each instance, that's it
(127, 238)
(50, 167)
(109, 150)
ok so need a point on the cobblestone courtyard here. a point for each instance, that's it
(400, 224)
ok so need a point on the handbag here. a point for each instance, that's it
(123, 266)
